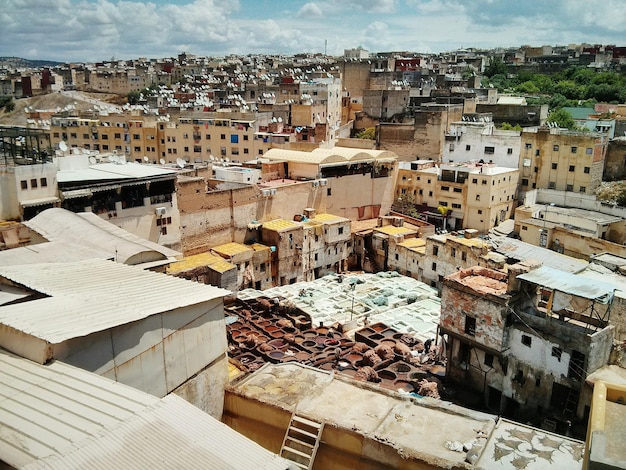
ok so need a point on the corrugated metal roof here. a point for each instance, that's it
(88, 230)
(39, 202)
(50, 252)
(339, 155)
(11, 293)
(59, 416)
(568, 283)
(46, 410)
(521, 251)
(113, 171)
(171, 434)
(94, 295)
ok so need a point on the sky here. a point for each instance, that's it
(97, 30)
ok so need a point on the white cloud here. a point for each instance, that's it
(370, 6)
(310, 10)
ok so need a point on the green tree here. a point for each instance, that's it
(369, 133)
(133, 97)
(562, 118)
(508, 127)
(495, 66)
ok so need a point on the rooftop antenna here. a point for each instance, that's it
(325, 45)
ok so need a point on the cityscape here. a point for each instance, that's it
(316, 260)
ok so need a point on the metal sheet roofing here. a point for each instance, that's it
(59, 416)
(519, 250)
(88, 230)
(321, 156)
(50, 252)
(94, 295)
(113, 171)
(568, 283)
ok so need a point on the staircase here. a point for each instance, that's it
(301, 441)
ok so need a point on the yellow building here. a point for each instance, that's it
(458, 195)
(561, 159)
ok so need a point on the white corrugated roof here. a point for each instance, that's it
(45, 410)
(50, 252)
(59, 416)
(88, 230)
(94, 295)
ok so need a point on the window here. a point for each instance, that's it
(484, 181)
(554, 165)
(569, 187)
(430, 194)
(340, 230)
(583, 189)
(453, 252)
(556, 352)
(451, 148)
(435, 250)
(234, 139)
(551, 185)
(262, 267)
(524, 227)
(463, 256)
(475, 180)
(509, 151)
(537, 153)
(490, 150)
(245, 151)
(245, 137)
(117, 135)
(186, 149)
(445, 188)
(488, 360)
(468, 148)
(524, 181)
(33, 183)
(434, 266)
(397, 257)
(24, 184)
(223, 136)
(328, 192)
(136, 136)
(470, 325)
(587, 170)
(185, 136)
(197, 149)
(527, 340)
(574, 149)
(589, 151)
(456, 206)
(572, 168)
(555, 148)
(138, 149)
(528, 146)
(457, 190)
(480, 211)
(44, 182)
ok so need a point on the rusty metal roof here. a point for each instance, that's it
(573, 284)
(56, 416)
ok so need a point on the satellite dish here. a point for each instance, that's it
(146, 159)
(226, 159)
(113, 159)
(162, 161)
(63, 146)
(93, 160)
(212, 158)
(180, 162)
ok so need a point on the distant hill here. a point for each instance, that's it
(18, 62)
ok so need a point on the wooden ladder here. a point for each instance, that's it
(301, 441)
(570, 404)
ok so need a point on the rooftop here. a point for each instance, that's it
(402, 303)
(56, 416)
(85, 297)
(279, 224)
(215, 262)
(481, 280)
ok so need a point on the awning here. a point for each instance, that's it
(567, 283)
(40, 202)
(110, 187)
(74, 193)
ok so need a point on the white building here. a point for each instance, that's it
(156, 333)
